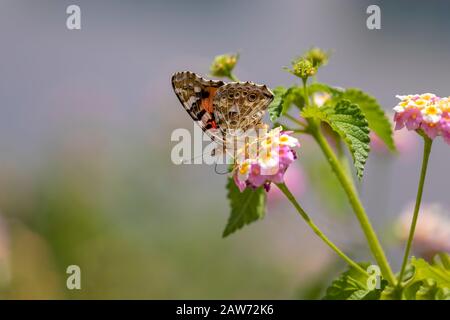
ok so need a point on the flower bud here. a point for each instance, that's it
(302, 68)
(317, 56)
(223, 65)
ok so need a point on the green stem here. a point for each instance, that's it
(316, 230)
(304, 131)
(295, 120)
(350, 190)
(426, 155)
(232, 77)
(305, 91)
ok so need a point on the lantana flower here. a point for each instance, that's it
(268, 163)
(426, 112)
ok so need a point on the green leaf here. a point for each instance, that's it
(283, 100)
(375, 115)
(276, 106)
(349, 122)
(437, 271)
(322, 87)
(315, 112)
(246, 207)
(377, 119)
(426, 282)
(352, 285)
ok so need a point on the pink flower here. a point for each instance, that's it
(425, 112)
(274, 153)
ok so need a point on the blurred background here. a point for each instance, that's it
(85, 122)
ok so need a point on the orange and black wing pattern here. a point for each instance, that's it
(196, 94)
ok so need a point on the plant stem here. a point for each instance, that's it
(295, 120)
(316, 230)
(232, 77)
(305, 91)
(426, 155)
(350, 190)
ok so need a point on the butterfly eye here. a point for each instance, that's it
(251, 97)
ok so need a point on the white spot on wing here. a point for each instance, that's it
(234, 108)
(191, 101)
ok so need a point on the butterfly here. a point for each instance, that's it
(220, 108)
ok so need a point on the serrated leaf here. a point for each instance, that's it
(246, 207)
(349, 122)
(283, 99)
(314, 112)
(294, 97)
(443, 294)
(322, 87)
(428, 282)
(375, 115)
(352, 285)
(437, 271)
(377, 119)
(276, 106)
(427, 290)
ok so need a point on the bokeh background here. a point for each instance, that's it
(85, 124)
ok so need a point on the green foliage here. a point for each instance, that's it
(349, 122)
(317, 87)
(425, 281)
(352, 285)
(283, 100)
(246, 207)
(377, 119)
(276, 107)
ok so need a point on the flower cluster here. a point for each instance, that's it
(426, 112)
(302, 68)
(317, 56)
(265, 159)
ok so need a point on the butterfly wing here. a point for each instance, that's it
(222, 109)
(196, 94)
(240, 106)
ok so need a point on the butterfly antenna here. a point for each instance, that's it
(221, 173)
(191, 159)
